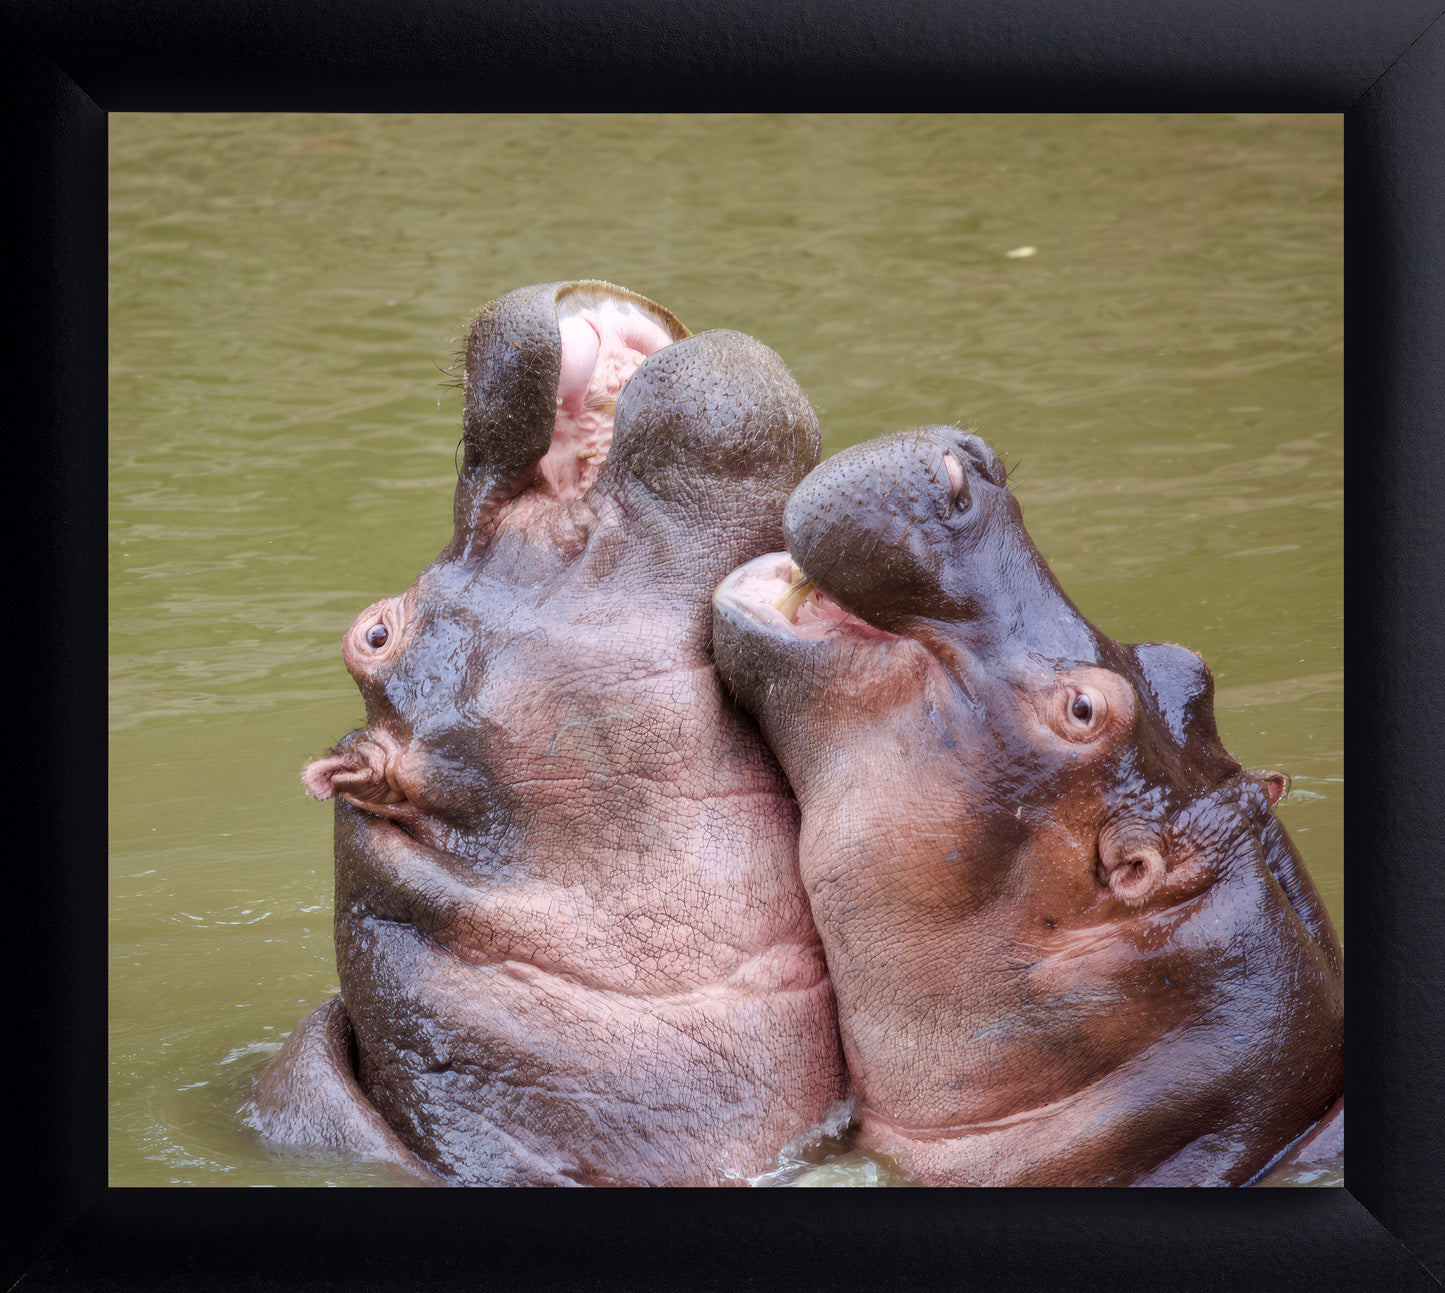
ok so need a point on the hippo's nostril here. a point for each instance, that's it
(376, 636)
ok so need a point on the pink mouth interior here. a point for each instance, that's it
(605, 338)
(764, 582)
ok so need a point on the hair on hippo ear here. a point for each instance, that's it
(1130, 863)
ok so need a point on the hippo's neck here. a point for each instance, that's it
(1053, 1054)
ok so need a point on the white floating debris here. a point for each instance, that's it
(1018, 253)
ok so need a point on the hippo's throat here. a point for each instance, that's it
(606, 335)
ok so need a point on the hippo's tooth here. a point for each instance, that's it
(956, 479)
(584, 454)
(794, 597)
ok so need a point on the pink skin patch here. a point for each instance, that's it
(318, 777)
(603, 344)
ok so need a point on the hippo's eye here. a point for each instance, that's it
(376, 636)
(1085, 706)
(1085, 709)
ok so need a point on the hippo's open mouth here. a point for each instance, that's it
(606, 334)
(777, 595)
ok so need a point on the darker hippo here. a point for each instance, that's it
(573, 944)
(1070, 941)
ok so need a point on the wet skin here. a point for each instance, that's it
(572, 941)
(1070, 941)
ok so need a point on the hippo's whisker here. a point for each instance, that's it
(451, 378)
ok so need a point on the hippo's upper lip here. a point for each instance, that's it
(767, 590)
(398, 811)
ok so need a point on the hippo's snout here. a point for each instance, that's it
(876, 525)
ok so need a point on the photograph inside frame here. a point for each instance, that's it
(819, 637)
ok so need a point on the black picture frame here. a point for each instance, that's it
(66, 63)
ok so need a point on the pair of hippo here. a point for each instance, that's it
(969, 862)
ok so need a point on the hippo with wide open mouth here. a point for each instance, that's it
(573, 944)
(1070, 941)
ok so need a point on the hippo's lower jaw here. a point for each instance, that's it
(780, 643)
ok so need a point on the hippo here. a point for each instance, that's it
(1070, 941)
(573, 944)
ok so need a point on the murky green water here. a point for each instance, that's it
(1164, 374)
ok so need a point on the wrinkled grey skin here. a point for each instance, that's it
(1070, 941)
(572, 942)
